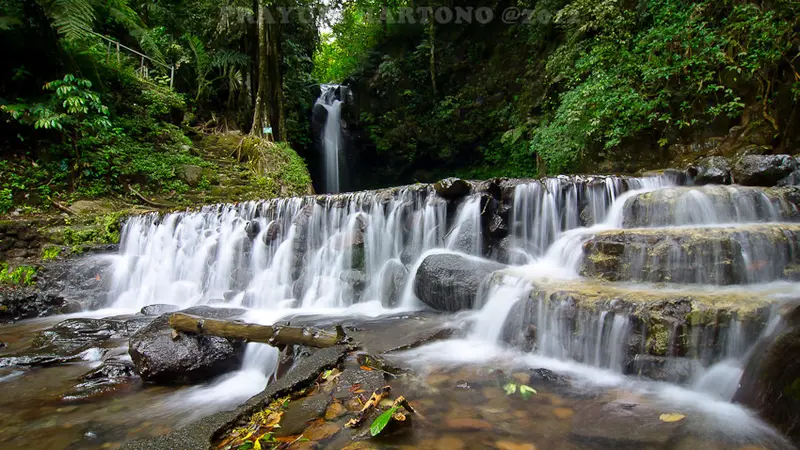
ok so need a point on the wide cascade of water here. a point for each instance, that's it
(556, 220)
(331, 138)
(359, 253)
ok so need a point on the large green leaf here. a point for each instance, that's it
(381, 421)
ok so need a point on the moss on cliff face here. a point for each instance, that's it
(250, 168)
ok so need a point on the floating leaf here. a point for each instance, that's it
(381, 421)
(671, 417)
(526, 391)
(510, 388)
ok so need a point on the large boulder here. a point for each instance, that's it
(771, 380)
(713, 170)
(158, 358)
(451, 188)
(762, 170)
(450, 281)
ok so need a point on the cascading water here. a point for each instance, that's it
(340, 253)
(331, 136)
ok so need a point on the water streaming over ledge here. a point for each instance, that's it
(359, 251)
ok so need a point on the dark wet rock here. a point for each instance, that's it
(41, 359)
(664, 368)
(73, 340)
(131, 322)
(158, 309)
(693, 255)
(111, 377)
(158, 358)
(27, 303)
(490, 187)
(770, 383)
(393, 281)
(713, 170)
(200, 434)
(452, 188)
(762, 170)
(83, 279)
(547, 376)
(273, 232)
(356, 280)
(252, 228)
(450, 282)
(71, 336)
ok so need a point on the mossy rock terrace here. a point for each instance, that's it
(711, 204)
(709, 255)
(660, 321)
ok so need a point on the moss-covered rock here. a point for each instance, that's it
(660, 322)
(719, 255)
(251, 168)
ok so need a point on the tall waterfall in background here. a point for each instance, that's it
(331, 99)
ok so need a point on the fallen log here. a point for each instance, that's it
(275, 335)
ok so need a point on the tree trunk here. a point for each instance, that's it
(260, 109)
(268, 108)
(274, 335)
(275, 83)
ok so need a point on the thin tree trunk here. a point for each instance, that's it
(260, 109)
(275, 79)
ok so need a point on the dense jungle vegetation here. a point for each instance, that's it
(585, 85)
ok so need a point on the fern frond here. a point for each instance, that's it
(201, 59)
(229, 58)
(148, 44)
(72, 18)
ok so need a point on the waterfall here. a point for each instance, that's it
(359, 253)
(321, 252)
(331, 99)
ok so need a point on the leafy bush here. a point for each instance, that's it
(20, 276)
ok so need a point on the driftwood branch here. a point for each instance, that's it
(64, 208)
(275, 335)
(144, 199)
(372, 404)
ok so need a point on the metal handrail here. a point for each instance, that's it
(112, 41)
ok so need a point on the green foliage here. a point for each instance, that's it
(20, 276)
(6, 200)
(104, 229)
(525, 391)
(382, 420)
(555, 95)
(678, 65)
(49, 253)
(72, 108)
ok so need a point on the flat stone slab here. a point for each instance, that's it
(378, 335)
